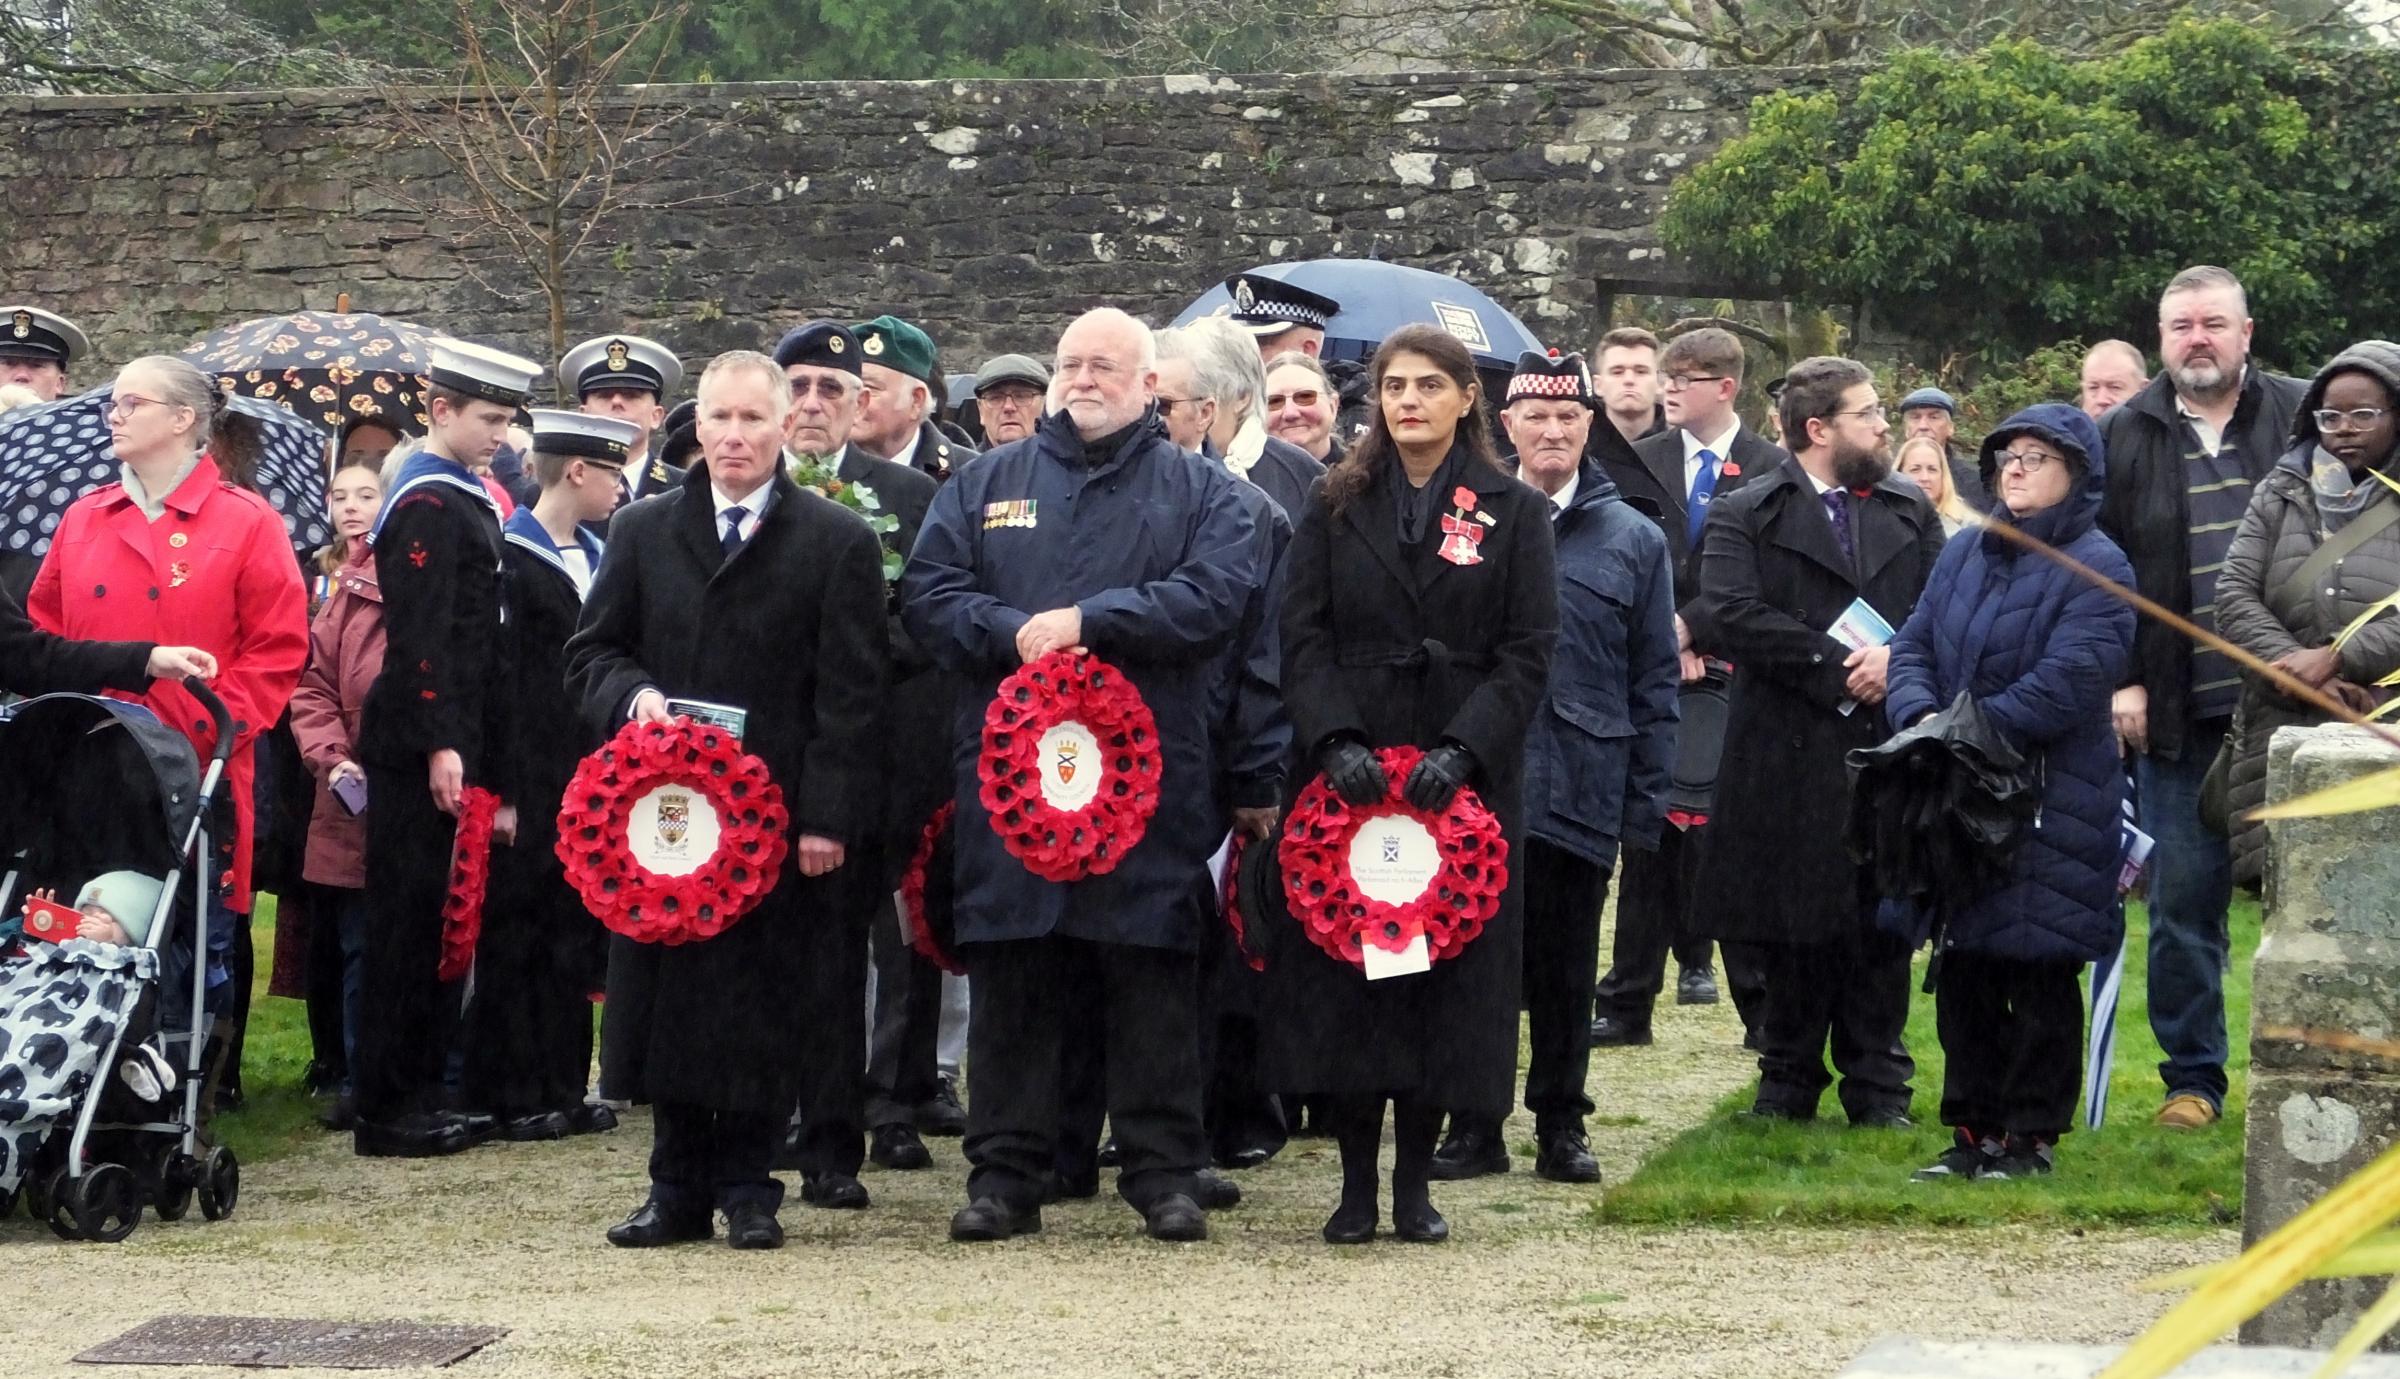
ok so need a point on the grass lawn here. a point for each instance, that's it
(278, 1116)
(1732, 1169)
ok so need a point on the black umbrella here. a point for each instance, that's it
(328, 368)
(53, 454)
(1378, 298)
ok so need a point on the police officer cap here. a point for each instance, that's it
(28, 332)
(1268, 306)
(895, 344)
(605, 440)
(619, 361)
(1552, 375)
(1012, 368)
(826, 344)
(479, 372)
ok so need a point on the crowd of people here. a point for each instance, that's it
(1594, 600)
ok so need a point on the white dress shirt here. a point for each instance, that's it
(1721, 447)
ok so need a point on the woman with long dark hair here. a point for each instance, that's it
(1420, 611)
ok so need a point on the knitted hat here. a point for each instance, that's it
(129, 897)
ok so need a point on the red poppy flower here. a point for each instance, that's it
(470, 880)
(1339, 915)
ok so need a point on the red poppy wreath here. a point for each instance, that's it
(1229, 893)
(1070, 766)
(671, 832)
(1389, 874)
(470, 881)
(928, 944)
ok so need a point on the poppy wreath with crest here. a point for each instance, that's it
(1340, 918)
(470, 881)
(1064, 689)
(595, 819)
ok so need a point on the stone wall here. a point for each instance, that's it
(988, 210)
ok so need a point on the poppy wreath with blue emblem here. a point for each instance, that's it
(470, 881)
(595, 820)
(1056, 692)
(1340, 918)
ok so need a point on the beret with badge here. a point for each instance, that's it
(823, 344)
(897, 345)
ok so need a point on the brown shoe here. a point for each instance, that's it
(2186, 1111)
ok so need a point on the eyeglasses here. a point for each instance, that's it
(1876, 412)
(1009, 397)
(2359, 418)
(1677, 382)
(126, 404)
(2027, 462)
(1167, 405)
(1307, 398)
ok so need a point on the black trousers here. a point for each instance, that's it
(528, 1028)
(1654, 918)
(312, 904)
(2012, 1041)
(1851, 992)
(405, 1016)
(700, 1158)
(1563, 897)
(1026, 993)
(833, 1065)
(904, 1050)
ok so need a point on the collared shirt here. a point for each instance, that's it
(907, 454)
(752, 508)
(1565, 497)
(1721, 447)
(637, 468)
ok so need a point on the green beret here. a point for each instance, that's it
(895, 344)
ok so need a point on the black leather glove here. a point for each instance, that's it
(1439, 777)
(1353, 770)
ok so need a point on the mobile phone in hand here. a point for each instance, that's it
(51, 922)
(351, 791)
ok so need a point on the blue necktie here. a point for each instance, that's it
(733, 529)
(1704, 487)
(1837, 507)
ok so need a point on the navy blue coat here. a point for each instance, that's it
(1161, 555)
(1598, 753)
(2041, 650)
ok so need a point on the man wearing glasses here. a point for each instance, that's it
(1798, 548)
(1008, 397)
(1704, 454)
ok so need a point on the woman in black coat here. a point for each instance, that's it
(1389, 642)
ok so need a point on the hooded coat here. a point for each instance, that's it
(2041, 651)
(2261, 611)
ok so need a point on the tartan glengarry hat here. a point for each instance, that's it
(1268, 306)
(619, 361)
(479, 372)
(825, 344)
(1552, 375)
(583, 436)
(28, 332)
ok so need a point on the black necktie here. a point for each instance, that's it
(733, 529)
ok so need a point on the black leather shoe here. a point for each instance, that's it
(590, 1118)
(792, 1154)
(340, 1113)
(1882, 1118)
(749, 1226)
(989, 1218)
(1348, 1226)
(835, 1192)
(413, 1136)
(1767, 1110)
(478, 1126)
(1080, 1187)
(653, 1225)
(1610, 1032)
(1215, 1191)
(943, 1117)
(1696, 986)
(896, 1146)
(1246, 1157)
(1565, 1156)
(1109, 1156)
(1176, 1217)
(541, 1125)
(1468, 1154)
(1419, 1225)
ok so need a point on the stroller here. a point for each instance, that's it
(93, 785)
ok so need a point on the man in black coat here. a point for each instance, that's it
(899, 1059)
(741, 589)
(1795, 550)
(1097, 533)
(2183, 454)
(1596, 757)
(1704, 455)
(434, 724)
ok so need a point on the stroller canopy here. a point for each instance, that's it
(90, 785)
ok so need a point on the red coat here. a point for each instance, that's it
(345, 654)
(216, 571)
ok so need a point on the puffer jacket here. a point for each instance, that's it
(2041, 651)
(2260, 611)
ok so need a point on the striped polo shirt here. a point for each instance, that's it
(2217, 481)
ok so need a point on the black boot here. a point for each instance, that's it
(1473, 1150)
(1414, 1127)
(1562, 1154)
(1358, 1128)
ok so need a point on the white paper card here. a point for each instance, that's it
(1416, 957)
(1393, 858)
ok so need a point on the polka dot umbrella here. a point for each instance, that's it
(329, 367)
(54, 453)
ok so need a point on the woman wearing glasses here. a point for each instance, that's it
(2318, 547)
(2040, 650)
(174, 553)
(1301, 404)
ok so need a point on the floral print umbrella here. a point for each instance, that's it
(328, 368)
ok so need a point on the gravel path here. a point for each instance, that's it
(510, 1236)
